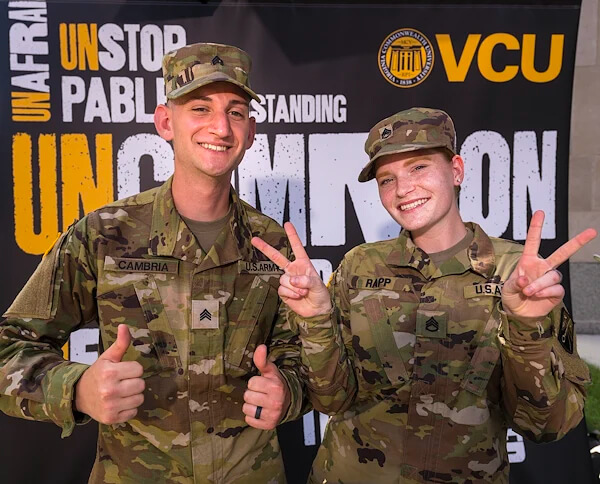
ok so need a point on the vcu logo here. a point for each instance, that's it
(458, 63)
(405, 58)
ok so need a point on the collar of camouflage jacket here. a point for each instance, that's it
(171, 237)
(479, 256)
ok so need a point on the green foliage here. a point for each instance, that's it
(592, 404)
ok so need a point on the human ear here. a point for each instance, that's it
(458, 169)
(163, 121)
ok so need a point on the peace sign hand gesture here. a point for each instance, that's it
(533, 289)
(300, 287)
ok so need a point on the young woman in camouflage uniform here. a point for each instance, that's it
(439, 340)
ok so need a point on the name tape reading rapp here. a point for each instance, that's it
(126, 264)
(399, 283)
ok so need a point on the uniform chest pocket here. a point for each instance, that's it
(140, 307)
(246, 332)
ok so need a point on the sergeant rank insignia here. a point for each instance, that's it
(432, 325)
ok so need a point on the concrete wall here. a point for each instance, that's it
(584, 170)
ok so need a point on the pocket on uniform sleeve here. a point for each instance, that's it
(38, 298)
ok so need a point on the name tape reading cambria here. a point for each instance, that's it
(126, 264)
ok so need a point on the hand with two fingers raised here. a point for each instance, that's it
(300, 287)
(267, 397)
(110, 390)
(534, 288)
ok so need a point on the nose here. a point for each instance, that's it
(404, 186)
(220, 125)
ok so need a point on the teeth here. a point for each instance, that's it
(208, 146)
(408, 206)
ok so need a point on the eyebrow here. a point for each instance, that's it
(419, 159)
(233, 102)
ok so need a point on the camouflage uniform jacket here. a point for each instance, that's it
(195, 321)
(441, 371)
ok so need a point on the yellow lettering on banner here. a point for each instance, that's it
(30, 106)
(78, 46)
(68, 46)
(484, 57)
(557, 43)
(457, 71)
(65, 350)
(26, 237)
(78, 175)
(87, 43)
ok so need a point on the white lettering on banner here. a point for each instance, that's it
(515, 447)
(473, 150)
(122, 107)
(334, 161)
(126, 98)
(323, 267)
(276, 182)
(528, 184)
(28, 51)
(119, 44)
(84, 345)
(300, 108)
(72, 92)
(114, 57)
(129, 156)
(96, 105)
(111, 47)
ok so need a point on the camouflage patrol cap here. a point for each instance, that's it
(197, 65)
(410, 130)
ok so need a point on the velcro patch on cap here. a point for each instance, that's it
(386, 131)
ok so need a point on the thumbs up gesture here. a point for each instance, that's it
(110, 391)
(267, 397)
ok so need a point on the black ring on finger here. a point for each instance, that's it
(257, 413)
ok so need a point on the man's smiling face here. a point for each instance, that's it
(211, 129)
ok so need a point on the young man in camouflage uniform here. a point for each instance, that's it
(453, 335)
(183, 301)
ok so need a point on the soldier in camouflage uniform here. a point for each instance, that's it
(453, 336)
(183, 301)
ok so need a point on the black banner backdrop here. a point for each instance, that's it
(80, 82)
